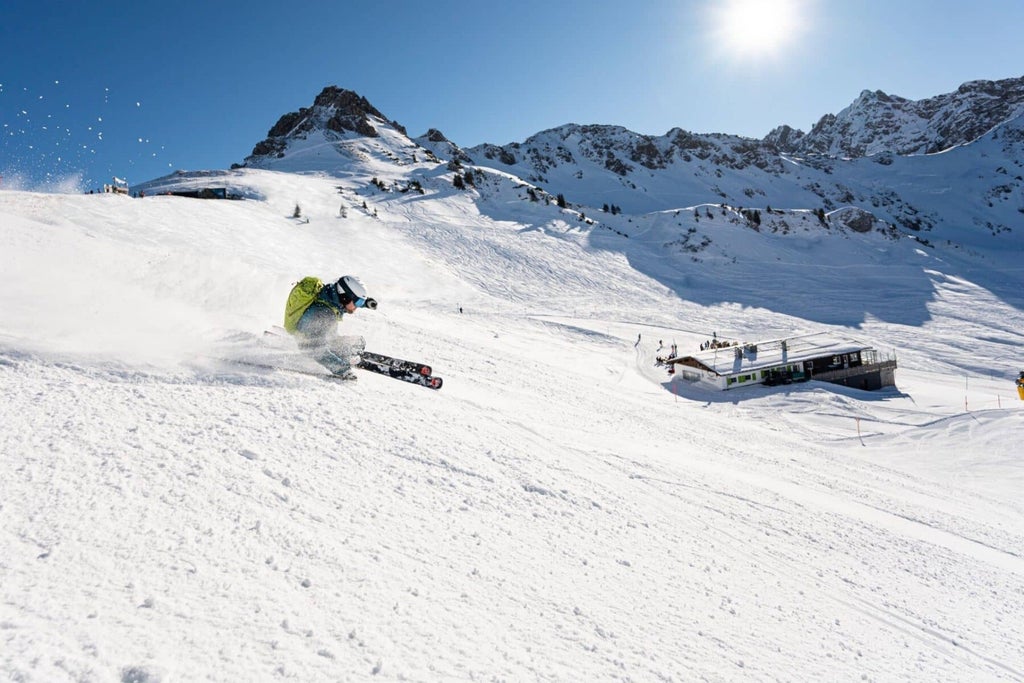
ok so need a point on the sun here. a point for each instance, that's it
(750, 30)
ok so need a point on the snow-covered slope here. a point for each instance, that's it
(559, 511)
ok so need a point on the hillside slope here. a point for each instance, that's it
(559, 511)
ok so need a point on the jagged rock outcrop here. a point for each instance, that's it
(855, 219)
(334, 109)
(784, 138)
(877, 122)
(438, 144)
(434, 135)
(623, 152)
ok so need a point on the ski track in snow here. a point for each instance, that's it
(558, 511)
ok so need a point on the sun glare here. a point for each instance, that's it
(748, 30)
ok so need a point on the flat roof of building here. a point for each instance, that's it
(772, 353)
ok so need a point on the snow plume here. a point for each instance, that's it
(123, 296)
(68, 183)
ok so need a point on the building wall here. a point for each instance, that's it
(694, 376)
(867, 377)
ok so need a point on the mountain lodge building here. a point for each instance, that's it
(818, 356)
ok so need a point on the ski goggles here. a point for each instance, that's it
(365, 302)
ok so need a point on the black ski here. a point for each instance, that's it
(397, 363)
(400, 373)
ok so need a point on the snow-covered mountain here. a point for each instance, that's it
(950, 168)
(562, 509)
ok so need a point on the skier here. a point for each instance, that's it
(316, 328)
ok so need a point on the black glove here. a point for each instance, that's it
(371, 304)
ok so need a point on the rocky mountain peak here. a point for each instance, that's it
(334, 109)
(878, 122)
(434, 135)
(784, 137)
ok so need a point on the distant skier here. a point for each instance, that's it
(637, 341)
(312, 315)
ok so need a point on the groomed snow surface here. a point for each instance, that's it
(559, 511)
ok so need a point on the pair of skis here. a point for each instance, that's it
(396, 368)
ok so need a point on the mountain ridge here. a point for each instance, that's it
(868, 156)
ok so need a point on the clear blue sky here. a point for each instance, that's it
(140, 89)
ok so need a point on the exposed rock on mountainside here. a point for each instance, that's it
(855, 219)
(877, 122)
(334, 109)
(442, 147)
